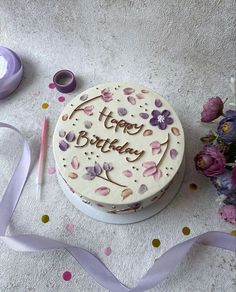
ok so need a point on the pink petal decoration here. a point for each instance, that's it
(156, 147)
(150, 171)
(127, 173)
(73, 175)
(157, 175)
(51, 170)
(107, 251)
(128, 91)
(148, 164)
(51, 85)
(103, 191)
(88, 110)
(175, 131)
(140, 95)
(173, 153)
(126, 193)
(75, 162)
(131, 100)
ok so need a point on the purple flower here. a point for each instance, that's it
(230, 114)
(227, 129)
(161, 119)
(228, 213)
(106, 94)
(212, 109)
(107, 166)
(223, 183)
(210, 161)
(92, 171)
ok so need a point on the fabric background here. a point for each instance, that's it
(185, 50)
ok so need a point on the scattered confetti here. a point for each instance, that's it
(70, 228)
(186, 230)
(156, 242)
(51, 170)
(67, 276)
(51, 85)
(193, 187)
(45, 218)
(233, 232)
(61, 98)
(107, 251)
(45, 105)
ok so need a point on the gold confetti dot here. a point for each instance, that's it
(193, 187)
(186, 230)
(45, 218)
(45, 105)
(156, 242)
(233, 232)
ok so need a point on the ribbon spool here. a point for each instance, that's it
(12, 73)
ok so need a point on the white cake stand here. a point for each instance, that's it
(130, 217)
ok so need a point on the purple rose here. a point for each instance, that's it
(210, 161)
(227, 129)
(228, 213)
(106, 94)
(223, 183)
(212, 109)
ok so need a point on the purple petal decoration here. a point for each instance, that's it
(131, 100)
(89, 176)
(128, 91)
(97, 168)
(142, 189)
(63, 145)
(103, 191)
(122, 111)
(173, 153)
(127, 173)
(70, 137)
(144, 115)
(84, 97)
(91, 170)
(107, 166)
(158, 103)
(75, 162)
(88, 124)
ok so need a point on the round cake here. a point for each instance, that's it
(118, 147)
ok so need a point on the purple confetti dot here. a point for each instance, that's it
(67, 276)
(61, 98)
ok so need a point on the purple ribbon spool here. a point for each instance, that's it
(64, 81)
(13, 74)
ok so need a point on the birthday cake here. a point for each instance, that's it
(118, 147)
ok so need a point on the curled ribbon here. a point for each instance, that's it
(90, 263)
(14, 72)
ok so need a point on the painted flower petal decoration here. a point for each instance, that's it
(147, 132)
(62, 133)
(127, 173)
(144, 115)
(173, 153)
(156, 147)
(63, 145)
(75, 162)
(175, 131)
(64, 117)
(128, 91)
(70, 137)
(73, 175)
(89, 176)
(126, 193)
(158, 102)
(140, 95)
(88, 124)
(131, 100)
(106, 94)
(148, 164)
(142, 189)
(84, 97)
(107, 166)
(97, 168)
(103, 191)
(157, 175)
(88, 110)
(91, 170)
(150, 171)
(144, 91)
(122, 111)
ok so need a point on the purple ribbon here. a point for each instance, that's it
(90, 263)
(14, 72)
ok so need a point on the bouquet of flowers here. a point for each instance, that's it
(217, 159)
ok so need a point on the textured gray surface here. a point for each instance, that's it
(185, 50)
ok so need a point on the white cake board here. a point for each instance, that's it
(130, 217)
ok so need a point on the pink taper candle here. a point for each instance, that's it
(42, 155)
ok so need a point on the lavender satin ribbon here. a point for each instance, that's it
(14, 72)
(90, 263)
